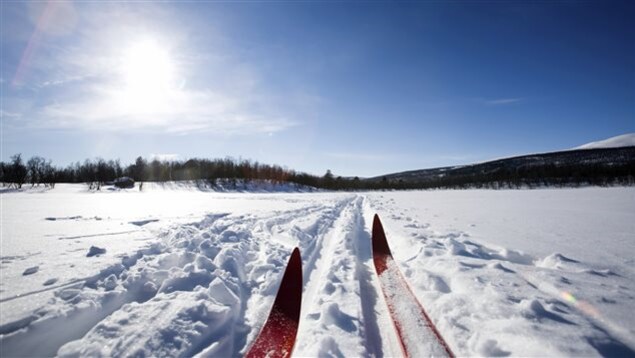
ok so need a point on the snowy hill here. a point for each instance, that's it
(598, 166)
(624, 140)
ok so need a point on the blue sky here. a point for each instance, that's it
(361, 88)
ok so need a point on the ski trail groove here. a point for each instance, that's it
(308, 239)
(361, 246)
(340, 299)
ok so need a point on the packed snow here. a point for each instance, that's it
(185, 271)
(624, 140)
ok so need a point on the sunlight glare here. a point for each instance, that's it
(147, 74)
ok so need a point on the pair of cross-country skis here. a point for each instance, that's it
(417, 334)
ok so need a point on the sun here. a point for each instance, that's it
(147, 74)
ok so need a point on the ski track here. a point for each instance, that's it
(197, 276)
(206, 288)
(332, 300)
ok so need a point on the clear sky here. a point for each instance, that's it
(361, 88)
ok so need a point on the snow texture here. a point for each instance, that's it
(188, 272)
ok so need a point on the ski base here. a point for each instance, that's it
(417, 333)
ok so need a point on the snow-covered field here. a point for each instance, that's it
(188, 272)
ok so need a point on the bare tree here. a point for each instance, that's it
(35, 169)
(3, 174)
(18, 171)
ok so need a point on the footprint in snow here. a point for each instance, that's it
(601, 273)
(565, 280)
(532, 309)
(49, 282)
(143, 222)
(77, 217)
(499, 266)
(95, 251)
(490, 348)
(31, 270)
(436, 283)
(333, 315)
(329, 288)
(329, 348)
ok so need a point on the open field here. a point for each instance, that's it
(185, 272)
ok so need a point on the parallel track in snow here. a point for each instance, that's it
(205, 287)
(212, 282)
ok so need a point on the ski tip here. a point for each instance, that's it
(380, 243)
(289, 296)
(295, 255)
(378, 229)
(295, 262)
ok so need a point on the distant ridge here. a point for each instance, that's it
(592, 166)
(624, 140)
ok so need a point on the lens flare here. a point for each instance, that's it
(583, 306)
(567, 296)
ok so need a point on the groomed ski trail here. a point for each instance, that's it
(206, 289)
(342, 312)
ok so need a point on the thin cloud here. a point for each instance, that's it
(181, 111)
(61, 81)
(80, 85)
(502, 101)
(7, 114)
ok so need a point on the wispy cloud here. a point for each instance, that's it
(180, 111)
(60, 81)
(79, 83)
(7, 114)
(502, 101)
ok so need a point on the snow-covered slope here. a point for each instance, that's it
(624, 140)
(605, 162)
(191, 273)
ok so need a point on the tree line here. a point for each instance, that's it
(97, 172)
(608, 168)
(36, 171)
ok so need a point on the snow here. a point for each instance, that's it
(482, 263)
(624, 140)
(192, 272)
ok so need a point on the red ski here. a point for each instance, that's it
(277, 337)
(417, 334)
